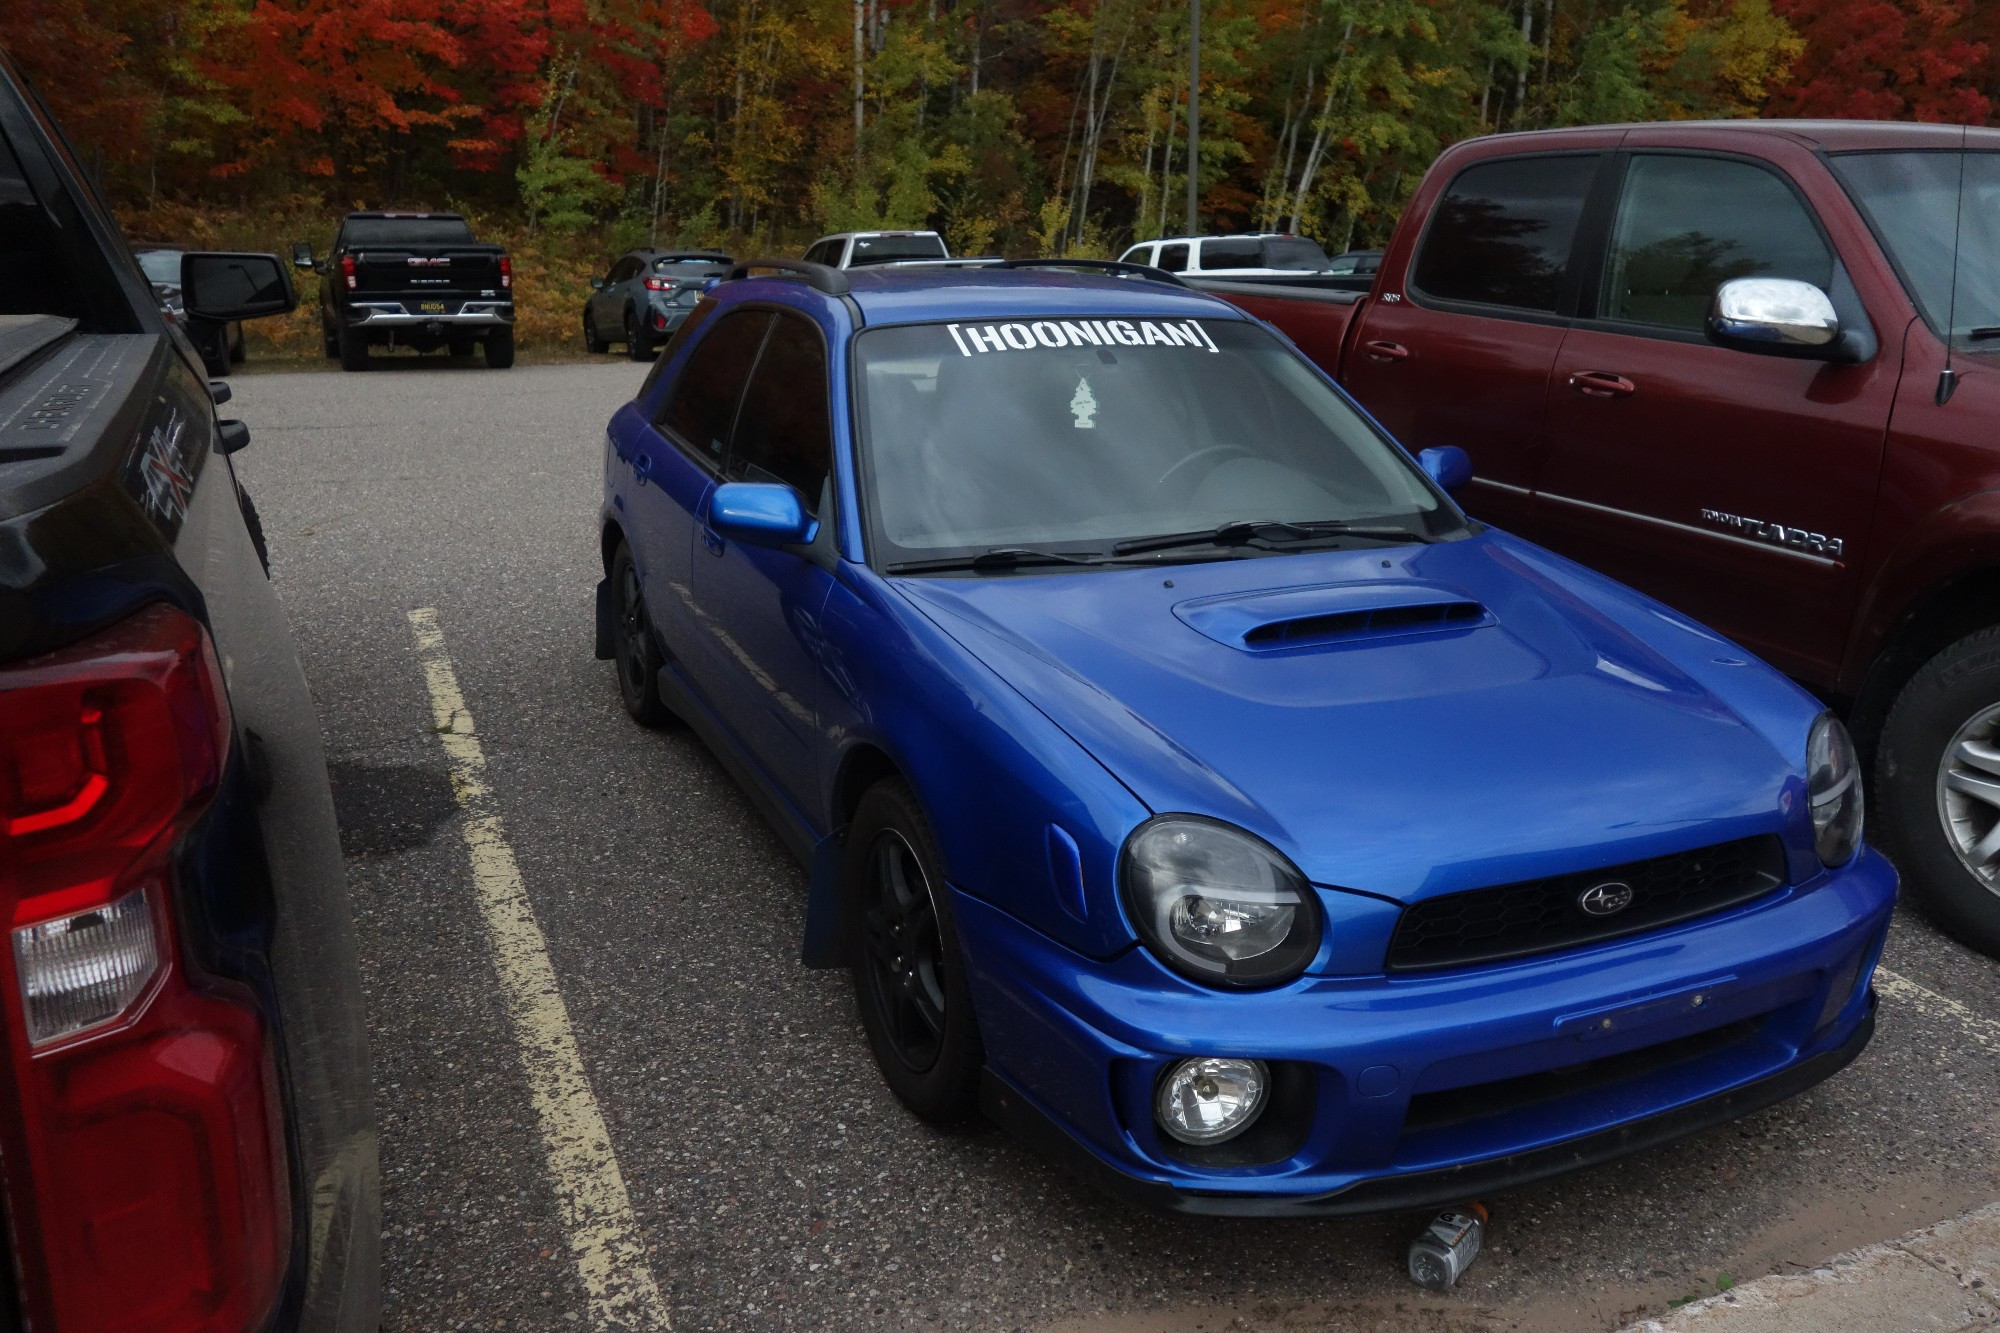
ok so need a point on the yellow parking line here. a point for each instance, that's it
(1983, 1030)
(603, 1232)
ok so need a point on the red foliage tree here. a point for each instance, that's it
(1883, 60)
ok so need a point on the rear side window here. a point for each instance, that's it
(1232, 254)
(1501, 233)
(1686, 225)
(1174, 258)
(785, 432)
(702, 403)
(391, 233)
(34, 277)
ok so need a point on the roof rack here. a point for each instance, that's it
(820, 277)
(1114, 267)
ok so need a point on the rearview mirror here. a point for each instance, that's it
(225, 287)
(1775, 316)
(1447, 465)
(302, 257)
(759, 513)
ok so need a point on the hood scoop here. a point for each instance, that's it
(1328, 615)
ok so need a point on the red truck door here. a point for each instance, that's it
(1736, 487)
(1459, 350)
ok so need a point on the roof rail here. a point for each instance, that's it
(820, 277)
(1114, 267)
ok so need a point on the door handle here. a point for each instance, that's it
(642, 467)
(711, 540)
(1384, 351)
(1602, 384)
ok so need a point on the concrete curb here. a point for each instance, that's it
(1943, 1279)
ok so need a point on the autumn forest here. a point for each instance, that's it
(1011, 125)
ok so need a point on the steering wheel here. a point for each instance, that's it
(1216, 453)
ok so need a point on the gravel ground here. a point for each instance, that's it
(776, 1183)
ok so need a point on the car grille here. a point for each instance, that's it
(1540, 915)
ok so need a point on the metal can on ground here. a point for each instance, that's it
(1447, 1247)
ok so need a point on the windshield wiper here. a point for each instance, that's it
(1242, 532)
(1001, 557)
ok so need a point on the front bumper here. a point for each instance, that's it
(1409, 1091)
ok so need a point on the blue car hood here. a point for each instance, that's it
(1404, 721)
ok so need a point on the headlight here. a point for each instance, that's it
(1833, 784)
(1218, 904)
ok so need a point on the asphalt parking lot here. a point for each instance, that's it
(768, 1179)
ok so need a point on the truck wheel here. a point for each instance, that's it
(593, 344)
(500, 349)
(353, 349)
(909, 970)
(637, 345)
(1937, 781)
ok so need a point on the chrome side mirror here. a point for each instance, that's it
(1775, 316)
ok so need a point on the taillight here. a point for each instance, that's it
(145, 1172)
(347, 270)
(506, 271)
(659, 284)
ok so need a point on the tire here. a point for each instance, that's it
(1937, 788)
(903, 949)
(633, 649)
(593, 344)
(637, 345)
(238, 353)
(256, 526)
(500, 349)
(331, 343)
(353, 350)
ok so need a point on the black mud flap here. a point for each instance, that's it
(606, 617)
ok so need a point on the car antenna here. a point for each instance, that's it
(1948, 378)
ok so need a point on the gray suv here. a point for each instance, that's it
(646, 296)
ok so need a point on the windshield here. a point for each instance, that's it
(161, 266)
(692, 266)
(1295, 253)
(1085, 432)
(1913, 201)
(882, 249)
(398, 232)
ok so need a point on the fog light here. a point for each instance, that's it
(1211, 1100)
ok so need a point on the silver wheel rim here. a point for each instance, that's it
(1968, 796)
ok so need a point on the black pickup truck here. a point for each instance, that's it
(414, 280)
(187, 1139)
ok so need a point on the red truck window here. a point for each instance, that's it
(1686, 225)
(1501, 234)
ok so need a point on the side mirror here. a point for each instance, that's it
(760, 513)
(597, 284)
(1775, 316)
(225, 287)
(302, 257)
(1447, 465)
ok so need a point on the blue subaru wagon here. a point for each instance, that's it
(1187, 781)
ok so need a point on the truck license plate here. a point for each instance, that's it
(430, 307)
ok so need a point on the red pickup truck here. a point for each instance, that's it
(1752, 368)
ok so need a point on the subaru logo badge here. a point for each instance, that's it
(1606, 899)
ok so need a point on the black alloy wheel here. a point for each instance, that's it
(908, 971)
(638, 659)
(592, 344)
(636, 342)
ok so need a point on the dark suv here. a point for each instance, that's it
(187, 1142)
